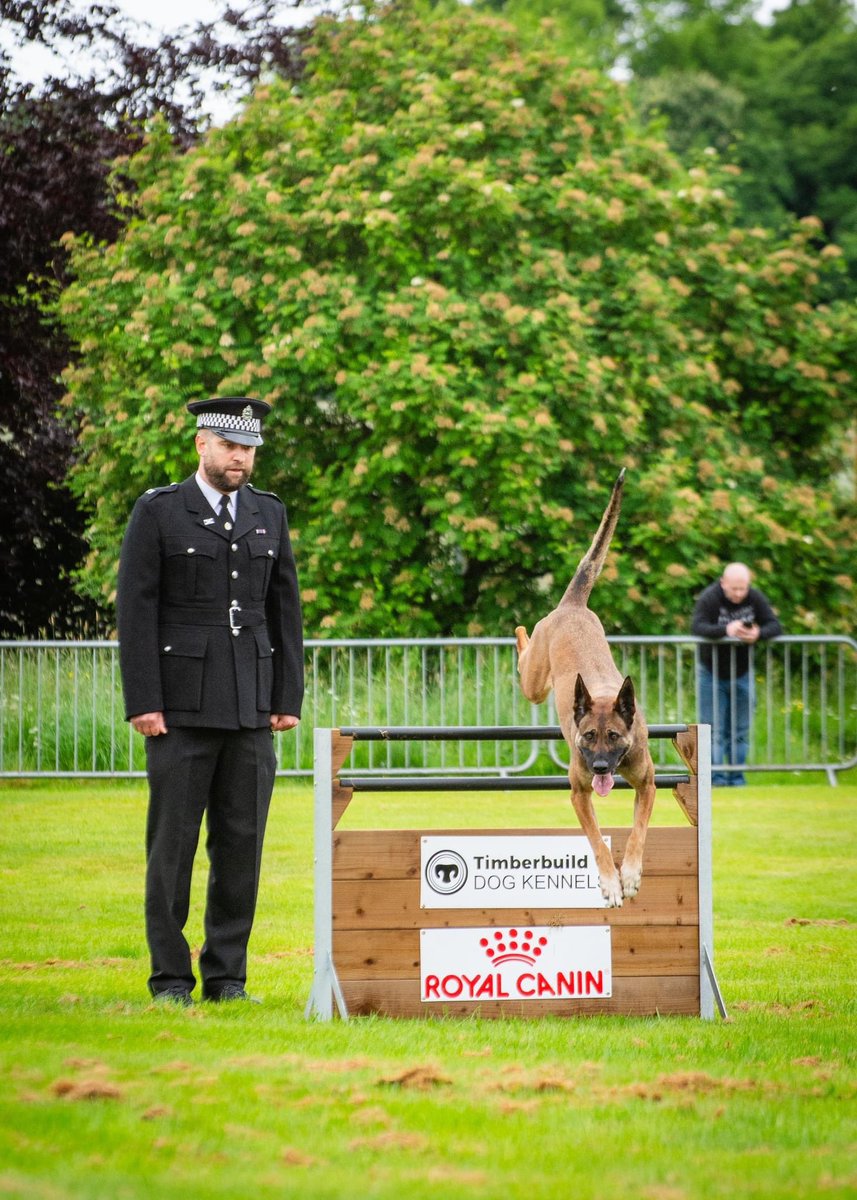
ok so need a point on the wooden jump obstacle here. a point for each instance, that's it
(373, 926)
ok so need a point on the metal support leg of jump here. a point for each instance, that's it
(325, 984)
(709, 992)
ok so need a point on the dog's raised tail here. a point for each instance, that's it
(577, 592)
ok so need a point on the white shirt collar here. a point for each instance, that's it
(213, 496)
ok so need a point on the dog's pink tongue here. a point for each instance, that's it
(602, 784)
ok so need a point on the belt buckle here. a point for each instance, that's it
(234, 611)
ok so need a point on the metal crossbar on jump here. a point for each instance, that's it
(477, 733)
(369, 919)
(481, 783)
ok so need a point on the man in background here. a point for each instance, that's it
(730, 608)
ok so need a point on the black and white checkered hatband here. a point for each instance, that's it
(245, 422)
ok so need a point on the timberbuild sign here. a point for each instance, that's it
(479, 871)
(540, 963)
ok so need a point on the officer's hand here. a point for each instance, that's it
(149, 724)
(282, 721)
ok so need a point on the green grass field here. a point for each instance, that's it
(104, 1095)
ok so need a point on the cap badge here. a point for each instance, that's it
(247, 412)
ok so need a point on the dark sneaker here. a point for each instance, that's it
(232, 991)
(173, 995)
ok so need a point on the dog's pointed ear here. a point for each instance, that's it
(582, 700)
(626, 701)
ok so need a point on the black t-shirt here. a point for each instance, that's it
(714, 611)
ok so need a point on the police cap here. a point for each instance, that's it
(235, 418)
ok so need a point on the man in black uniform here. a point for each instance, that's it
(211, 654)
(730, 608)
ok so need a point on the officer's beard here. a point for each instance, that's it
(226, 481)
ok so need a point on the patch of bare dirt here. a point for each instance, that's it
(64, 964)
(391, 1140)
(811, 1007)
(513, 1106)
(423, 1079)
(86, 1089)
(812, 921)
(459, 1179)
(277, 955)
(372, 1115)
(686, 1084)
(296, 1158)
(540, 1084)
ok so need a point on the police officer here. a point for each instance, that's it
(211, 655)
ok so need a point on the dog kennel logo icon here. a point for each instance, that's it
(446, 872)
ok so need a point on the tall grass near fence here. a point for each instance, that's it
(61, 708)
(103, 1095)
(62, 712)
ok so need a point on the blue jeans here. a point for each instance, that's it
(727, 706)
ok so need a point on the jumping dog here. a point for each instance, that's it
(597, 710)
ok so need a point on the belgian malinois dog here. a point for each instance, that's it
(597, 710)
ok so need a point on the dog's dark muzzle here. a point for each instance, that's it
(600, 763)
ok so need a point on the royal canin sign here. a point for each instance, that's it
(535, 963)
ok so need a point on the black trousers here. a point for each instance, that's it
(229, 776)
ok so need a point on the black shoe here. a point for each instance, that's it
(232, 991)
(173, 995)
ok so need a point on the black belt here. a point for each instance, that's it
(235, 617)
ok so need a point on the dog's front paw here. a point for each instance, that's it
(611, 890)
(632, 877)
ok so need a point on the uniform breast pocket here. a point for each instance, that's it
(263, 554)
(189, 568)
(182, 668)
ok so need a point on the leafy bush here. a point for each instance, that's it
(473, 289)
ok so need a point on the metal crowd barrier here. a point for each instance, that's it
(61, 712)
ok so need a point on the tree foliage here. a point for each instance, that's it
(793, 132)
(587, 30)
(56, 145)
(472, 288)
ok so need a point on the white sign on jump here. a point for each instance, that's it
(537, 963)
(530, 871)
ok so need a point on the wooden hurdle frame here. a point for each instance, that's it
(368, 916)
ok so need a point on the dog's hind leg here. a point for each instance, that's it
(608, 876)
(533, 665)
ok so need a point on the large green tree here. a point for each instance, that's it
(472, 288)
(56, 143)
(786, 111)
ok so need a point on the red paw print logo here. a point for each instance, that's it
(513, 946)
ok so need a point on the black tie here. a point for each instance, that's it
(225, 516)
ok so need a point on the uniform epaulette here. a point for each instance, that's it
(150, 493)
(259, 492)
